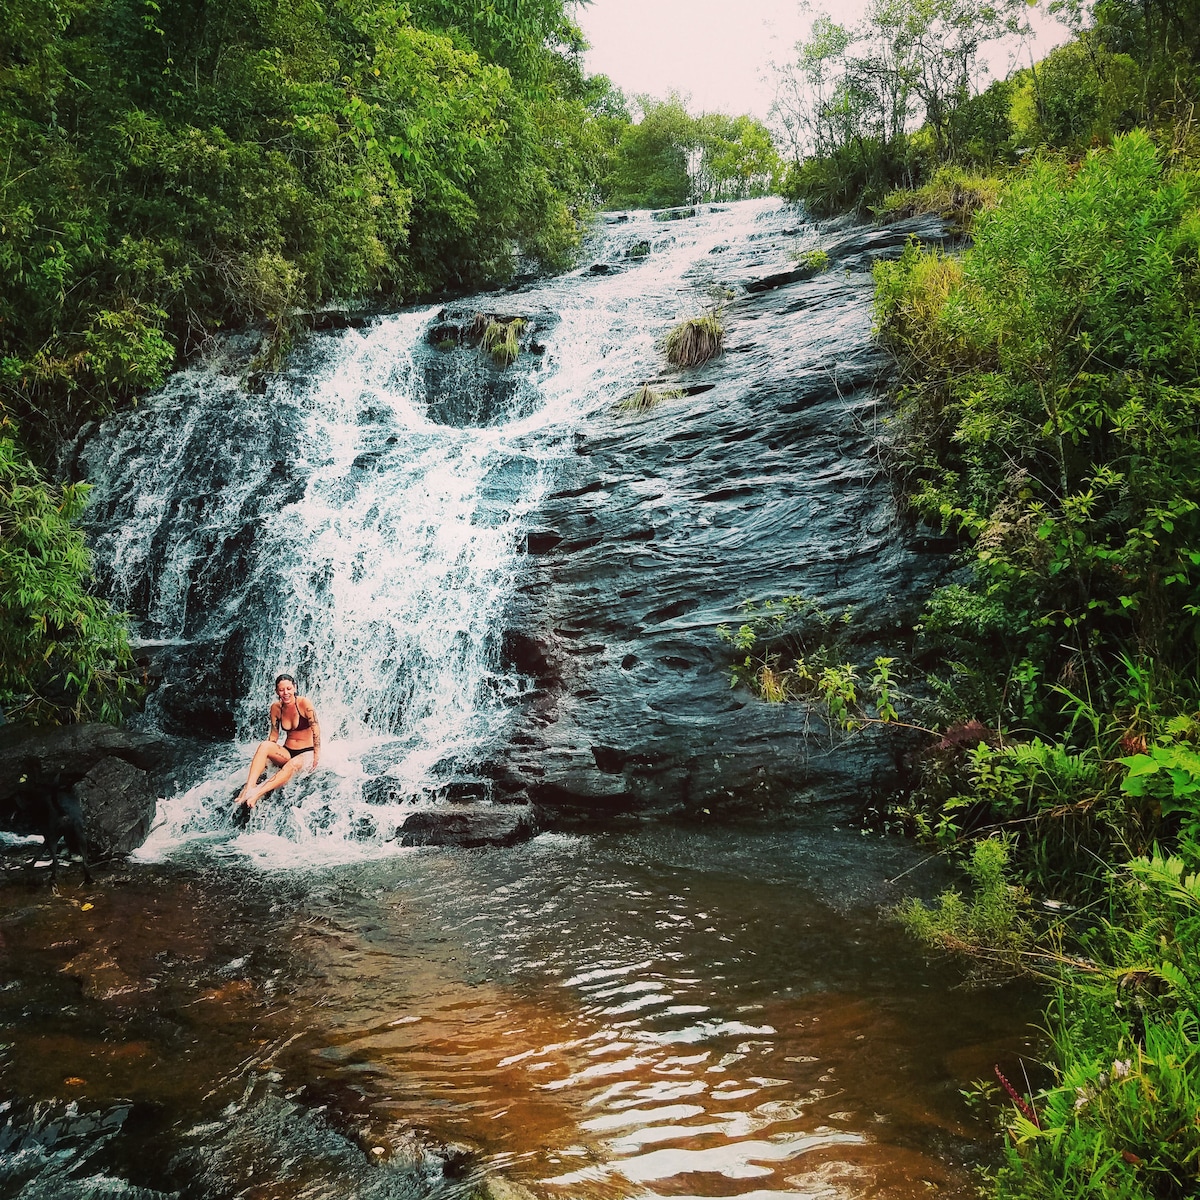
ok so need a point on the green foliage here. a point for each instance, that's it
(1051, 398)
(989, 925)
(857, 176)
(791, 649)
(814, 260)
(1169, 774)
(670, 158)
(64, 654)
(170, 169)
(1078, 94)
(650, 166)
(952, 192)
(1120, 1117)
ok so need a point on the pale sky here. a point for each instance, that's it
(719, 51)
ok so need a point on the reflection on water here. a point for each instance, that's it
(659, 1013)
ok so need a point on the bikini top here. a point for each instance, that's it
(302, 724)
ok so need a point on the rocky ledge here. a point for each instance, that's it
(112, 772)
(762, 481)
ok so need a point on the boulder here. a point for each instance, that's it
(469, 825)
(73, 750)
(111, 770)
(118, 803)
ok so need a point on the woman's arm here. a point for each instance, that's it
(316, 732)
(276, 709)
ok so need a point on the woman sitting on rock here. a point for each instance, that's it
(297, 718)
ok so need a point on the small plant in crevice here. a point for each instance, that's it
(791, 649)
(500, 340)
(816, 261)
(647, 397)
(496, 335)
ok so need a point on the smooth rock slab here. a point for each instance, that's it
(763, 481)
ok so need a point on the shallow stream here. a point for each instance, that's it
(659, 1012)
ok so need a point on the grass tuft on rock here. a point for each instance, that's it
(646, 398)
(695, 340)
(500, 340)
(952, 193)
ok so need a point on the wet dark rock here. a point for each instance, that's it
(469, 825)
(639, 249)
(118, 802)
(763, 482)
(674, 214)
(112, 771)
(324, 320)
(463, 385)
(73, 750)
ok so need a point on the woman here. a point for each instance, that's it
(297, 718)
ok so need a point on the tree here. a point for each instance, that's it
(651, 166)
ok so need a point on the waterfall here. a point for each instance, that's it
(361, 525)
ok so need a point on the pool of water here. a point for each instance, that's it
(652, 1012)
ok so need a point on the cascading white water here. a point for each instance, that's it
(333, 529)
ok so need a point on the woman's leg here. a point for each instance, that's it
(285, 772)
(266, 752)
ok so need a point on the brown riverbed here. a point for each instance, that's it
(652, 1013)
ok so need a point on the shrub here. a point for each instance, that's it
(695, 340)
(989, 925)
(952, 193)
(854, 177)
(64, 654)
(1050, 384)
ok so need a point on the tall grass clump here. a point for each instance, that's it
(501, 340)
(695, 340)
(954, 193)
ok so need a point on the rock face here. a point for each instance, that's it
(112, 771)
(763, 482)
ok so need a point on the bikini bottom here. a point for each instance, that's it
(302, 750)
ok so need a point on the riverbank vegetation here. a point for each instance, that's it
(1047, 416)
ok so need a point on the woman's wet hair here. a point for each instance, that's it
(280, 678)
